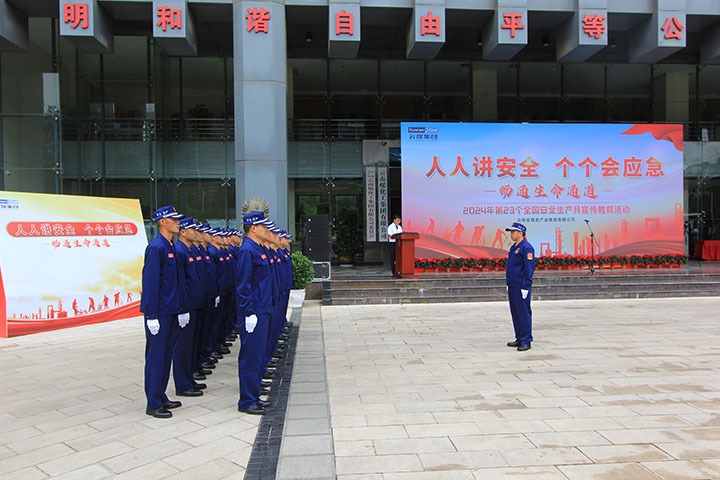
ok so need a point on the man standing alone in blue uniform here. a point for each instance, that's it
(161, 303)
(519, 277)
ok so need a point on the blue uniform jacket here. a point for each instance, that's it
(224, 282)
(288, 270)
(200, 265)
(520, 265)
(274, 274)
(252, 280)
(160, 280)
(193, 296)
(211, 278)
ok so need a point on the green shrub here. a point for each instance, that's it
(303, 271)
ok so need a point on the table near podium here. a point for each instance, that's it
(707, 249)
(405, 253)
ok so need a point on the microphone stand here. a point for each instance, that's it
(592, 248)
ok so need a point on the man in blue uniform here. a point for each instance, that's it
(160, 304)
(253, 292)
(193, 299)
(519, 277)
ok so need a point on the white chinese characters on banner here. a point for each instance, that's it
(382, 205)
(370, 205)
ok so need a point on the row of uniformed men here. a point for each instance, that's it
(199, 291)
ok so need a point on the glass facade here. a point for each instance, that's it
(142, 124)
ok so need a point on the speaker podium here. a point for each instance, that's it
(405, 253)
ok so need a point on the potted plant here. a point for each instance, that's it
(347, 239)
(303, 274)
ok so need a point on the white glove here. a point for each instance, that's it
(183, 319)
(153, 325)
(524, 293)
(217, 301)
(506, 288)
(250, 323)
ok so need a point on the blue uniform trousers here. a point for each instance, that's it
(205, 325)
(158, 358)
(217, 322)
(521, 314)
(251, 360)
(183, 364)
(231, 315)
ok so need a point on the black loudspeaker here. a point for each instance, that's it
(317, 237)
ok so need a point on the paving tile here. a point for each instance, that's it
(34, 457)
(413, 445)
(89, 472)
(29, 473)
(614, 471)
(470, 443)
(515, 473)
(544, 456)
(369, 433)
(46, 440)
(462, 460)
(566, 439)
(307, 445)
(136, 458)
(217, 468)
(623, 453)
(306, 467)
(81, 459)
(378, 464)
(685, 469)
(307, 426)
(691, 450)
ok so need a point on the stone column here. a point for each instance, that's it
(260, 87)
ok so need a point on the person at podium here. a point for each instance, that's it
(393, 229)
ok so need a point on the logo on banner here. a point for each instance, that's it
(423, 133)
(7, 204)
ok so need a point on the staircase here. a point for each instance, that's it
(366, 286)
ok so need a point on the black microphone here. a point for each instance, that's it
(587, 221)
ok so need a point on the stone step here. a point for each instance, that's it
(398, 299)
(489, 286)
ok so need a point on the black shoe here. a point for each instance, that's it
(207, 366)
(211, 360)
(276, 356)
(190, 393)
(224, 350)
(268, 375)
(263, 403)
(266, 384)
(200, 386)
(161, 412)
(254, 410)
(513, 344)
(523, 346)
(271, 364)
(216, 355)
(264, 391)
(199, 375)
(227, 344)
(170, 404)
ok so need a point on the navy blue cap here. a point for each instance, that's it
(254, 218)
(166, 212)
(188, 222)
(517, 227)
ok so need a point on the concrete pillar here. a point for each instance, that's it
(260, 86)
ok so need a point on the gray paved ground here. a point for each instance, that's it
(612, 389)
